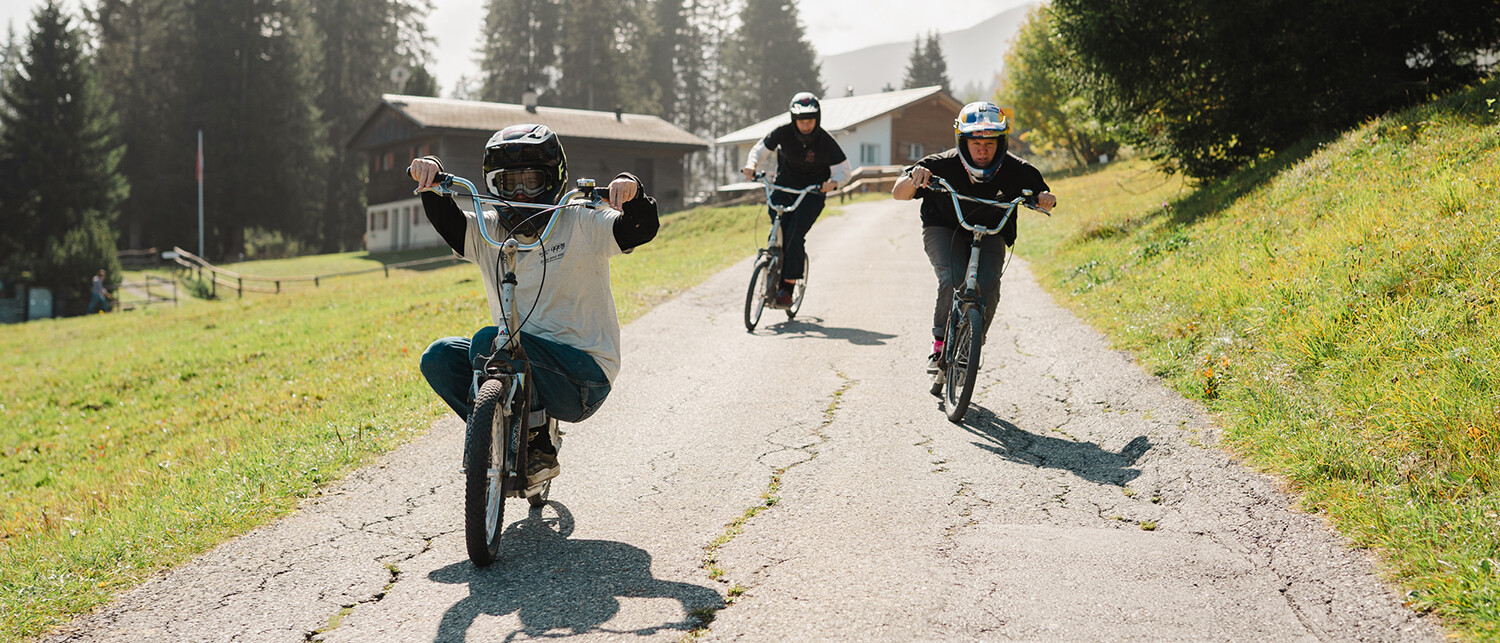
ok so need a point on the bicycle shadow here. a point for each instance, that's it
(1084, 459)
(812, 328)
(560, 587)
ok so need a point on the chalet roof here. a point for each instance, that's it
(841, 114)
(427, 112)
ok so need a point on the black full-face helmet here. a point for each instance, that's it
(525, 163)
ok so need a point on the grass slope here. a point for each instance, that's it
(1339, 307)
(131, 442)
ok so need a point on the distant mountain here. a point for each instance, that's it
(975, 57)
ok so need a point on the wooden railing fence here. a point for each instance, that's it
(242, 283)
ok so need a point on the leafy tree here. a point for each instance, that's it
(926, 67)
(1040, 82)
(519, 49)
(62, 191)
(769, 60)
(362, 42)
(1206, 85)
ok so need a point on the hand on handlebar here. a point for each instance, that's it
(830, 186)
(1046, 200)
(920, 176)
(424, 171)
(621, 190)
(749, 173)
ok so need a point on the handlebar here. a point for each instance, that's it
(771, 187)
(445, 182)
(937, 183)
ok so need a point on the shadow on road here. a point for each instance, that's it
(812, 327)
(560, 587)
(1085, 459)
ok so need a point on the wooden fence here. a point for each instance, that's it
(242, 283)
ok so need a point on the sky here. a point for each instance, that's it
(832, 26)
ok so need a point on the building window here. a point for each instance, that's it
(868, 153)
(389, 161)
(385, 219)
(426, 149)
(914, 151)
(416, 216)
(372, 219)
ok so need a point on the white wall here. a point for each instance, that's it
(876, 132)
(399, 231)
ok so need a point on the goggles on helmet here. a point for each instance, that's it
(513, 183)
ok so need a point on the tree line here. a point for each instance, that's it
(100, 113)
(1204, 87)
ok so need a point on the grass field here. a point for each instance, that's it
(1338, 306)
(133, 441)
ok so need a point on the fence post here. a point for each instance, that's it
(240, 286)
(387, 270)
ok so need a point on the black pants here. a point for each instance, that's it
(948, 250)
(794, 227)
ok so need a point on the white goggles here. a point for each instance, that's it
(510, 184)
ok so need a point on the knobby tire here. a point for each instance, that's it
(484, 489)
(963, 365)
(755, 297)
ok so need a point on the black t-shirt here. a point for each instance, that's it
(1013, 176)
(799, 165)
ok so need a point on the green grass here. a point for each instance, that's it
(131, 442)
(1338, 306)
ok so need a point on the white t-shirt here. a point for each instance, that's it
(575, 307)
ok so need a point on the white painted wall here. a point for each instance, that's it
(399, 231)
(876, 132)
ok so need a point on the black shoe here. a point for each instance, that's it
(932, 363)
(541, 466)
(784, 296)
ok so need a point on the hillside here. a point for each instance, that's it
(974, 55)
(1338, 305)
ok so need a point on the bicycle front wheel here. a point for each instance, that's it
(799, 291)
(484, 473)
(755, 298)
(963, 363)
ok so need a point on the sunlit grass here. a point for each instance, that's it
(130, 442)
(1339, 307)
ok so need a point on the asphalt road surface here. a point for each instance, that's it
(1079, 500)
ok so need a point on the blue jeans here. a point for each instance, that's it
(794, 227)
(564, 380)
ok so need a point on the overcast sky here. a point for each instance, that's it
(833, 26)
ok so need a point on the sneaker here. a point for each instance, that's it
(541, 466)
(784, 295)
(932, 363)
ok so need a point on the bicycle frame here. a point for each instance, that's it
(971, 280)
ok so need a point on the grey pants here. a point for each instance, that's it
(948, 250)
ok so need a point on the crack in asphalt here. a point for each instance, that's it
(736, 527)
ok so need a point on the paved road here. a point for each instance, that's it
(1033, 520)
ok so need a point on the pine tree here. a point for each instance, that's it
(916, 66)
(602, 59)
(519, 49)
(421, 83)
(62, 189)
(769, 60)
(937, 66)
(248, 87)
(362, 42)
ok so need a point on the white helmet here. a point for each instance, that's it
(981, 120)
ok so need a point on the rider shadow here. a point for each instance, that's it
(560, 587)
(810, 327)
(1084, 459)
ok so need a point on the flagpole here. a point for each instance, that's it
(200, 193)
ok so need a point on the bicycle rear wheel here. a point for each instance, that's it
(963, 363)
(799, 291)
(484, 473)
(755, 298)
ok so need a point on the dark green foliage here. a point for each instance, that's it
(519, 49)
(926, 67)
(61, 193)
(363, 41)
(601, 58)
(768, 60)
(420, 83)
(1041, 84)
(1206, 85)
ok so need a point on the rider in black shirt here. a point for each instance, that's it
(806, 154)
(977, 166)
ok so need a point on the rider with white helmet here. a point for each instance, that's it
(806, 155)
(980, 166)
